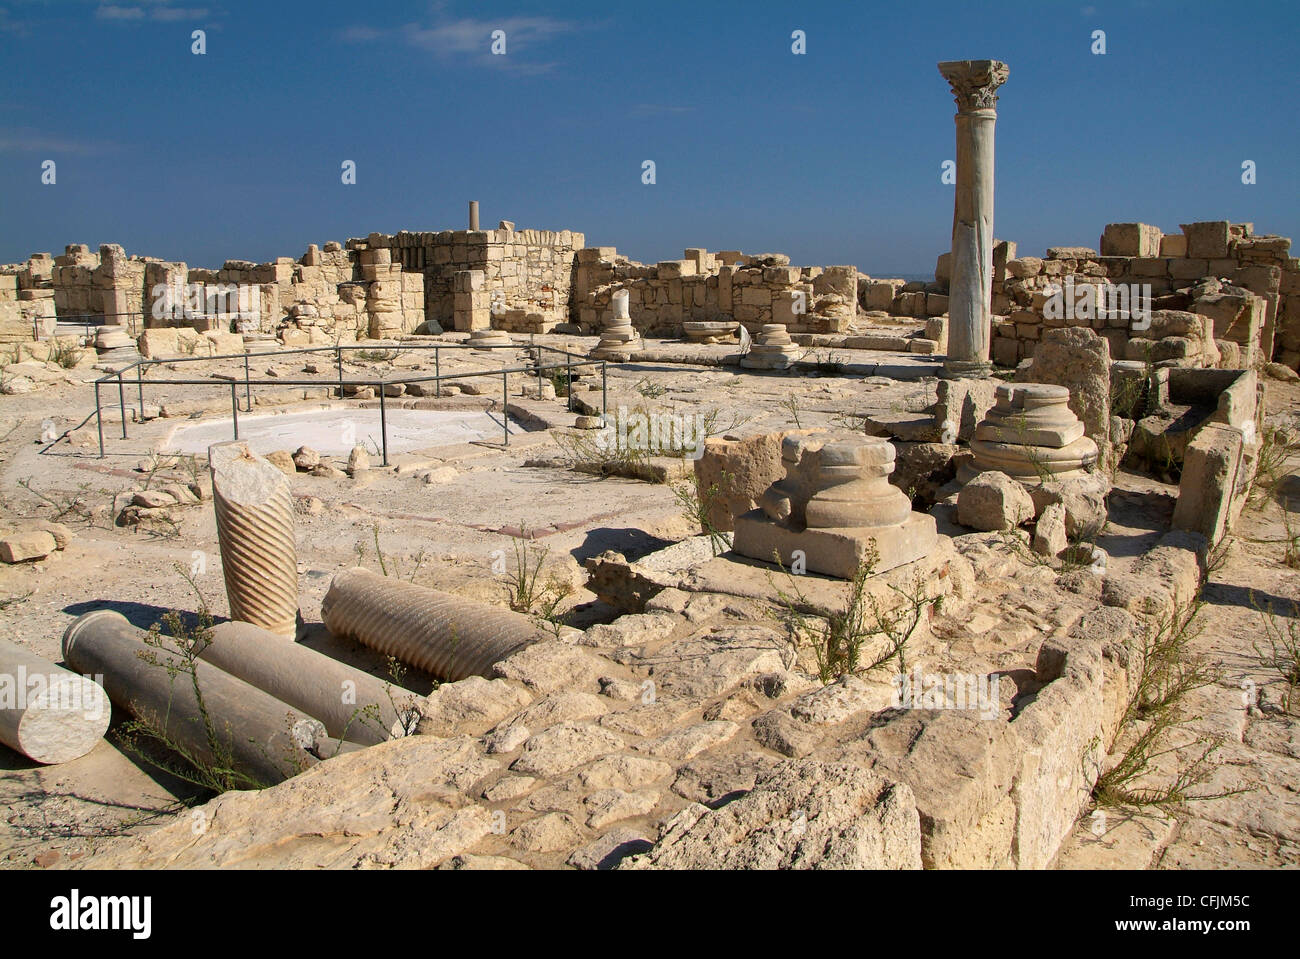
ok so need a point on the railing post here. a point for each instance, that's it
(99, 420)
(234, 407)
(139, 385)
(383, 420)
(604, 389)
(248, 393)
(338, 353)
(505, 404)
(437, 372)
(568, 373)
(121, 399)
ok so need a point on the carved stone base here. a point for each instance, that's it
(773, 350)
(1030, 464)
(835, 552)
(966, 369)
(489, 338)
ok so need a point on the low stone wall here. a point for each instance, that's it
(703, 286)
(382, 285)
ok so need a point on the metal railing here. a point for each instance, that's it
(571, 361)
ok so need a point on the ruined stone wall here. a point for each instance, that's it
(22, 310)
(703, 286)
(380, 286)
(1216, 270)
(71, 276)
(524, 270)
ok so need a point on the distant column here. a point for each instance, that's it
(473, 214)
(974, 84)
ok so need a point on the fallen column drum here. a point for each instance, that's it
(352, 704)
(47, 713)
(445, 635)
(267, 740)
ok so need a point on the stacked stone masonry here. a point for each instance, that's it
(1220, 295)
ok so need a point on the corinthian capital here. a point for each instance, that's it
(975, 82)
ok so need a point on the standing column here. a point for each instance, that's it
(473, 214)
(974, 84)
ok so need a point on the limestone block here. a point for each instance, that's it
(879, 294)
(1049, 532)
(1207, 240)
(157, 343)
(992, 502)
(964, 403)
(676, 269)
(1063, 734)
(1131, 239)
(1079, 360)
(1173, 245)
(1083, 499)
(1024, 267)
(1211, 482)
(741, 470)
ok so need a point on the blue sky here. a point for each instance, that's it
(833, 156)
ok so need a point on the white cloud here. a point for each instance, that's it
(33, 141)
(468, 35)
(468, 38)
(159, 10)
(172, 14)
(112, 12)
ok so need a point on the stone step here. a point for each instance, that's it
(907, 426)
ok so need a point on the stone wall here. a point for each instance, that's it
(703, 286)
(381, 286)
(23, 309)
(1217, 270)
(523, 270)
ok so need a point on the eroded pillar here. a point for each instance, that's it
(259, 557)
(974, 84)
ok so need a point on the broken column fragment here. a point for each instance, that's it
(352, 704)
(47, 713)
(259, 558)
(837, 508)
(261, 737)
(450, 637)
(773, 350)
(618, 336)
